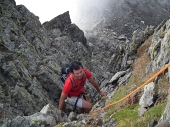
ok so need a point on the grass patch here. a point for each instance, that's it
(128, 116)
(156, 111)
(117, 95)
(152, 113)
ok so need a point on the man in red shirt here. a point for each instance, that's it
(78, 75)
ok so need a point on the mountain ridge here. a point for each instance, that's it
(32, 54)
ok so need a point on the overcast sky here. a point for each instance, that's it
(48, 9)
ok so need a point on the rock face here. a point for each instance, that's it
(159, 50)
(123, 16)
(48, 116)
(159, 53)
(31, 56)
(147, 98)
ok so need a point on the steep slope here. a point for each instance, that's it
(31, 56)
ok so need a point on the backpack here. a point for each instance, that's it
(65, 71)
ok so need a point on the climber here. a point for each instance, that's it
(72, 93)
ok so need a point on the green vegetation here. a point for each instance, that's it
(117, 95)
(156, 111)
(126, 111)
(128, 116)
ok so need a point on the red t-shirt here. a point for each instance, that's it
(68, 86)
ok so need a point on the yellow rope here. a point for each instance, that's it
(149, 80)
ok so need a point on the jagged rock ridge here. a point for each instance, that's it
(31, 56)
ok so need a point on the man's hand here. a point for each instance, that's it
(93, 82)
(103, 93)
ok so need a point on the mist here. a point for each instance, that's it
(89, 13)
(123, 16)
(83, 13)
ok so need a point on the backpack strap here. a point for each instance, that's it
(84, 73)
(73, 82)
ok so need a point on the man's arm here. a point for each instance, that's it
(62, 100)
(93, 82)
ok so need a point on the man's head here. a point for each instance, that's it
(77, 69)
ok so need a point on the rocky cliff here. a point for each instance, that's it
(31, 58)
(123, 16)
(32, 53)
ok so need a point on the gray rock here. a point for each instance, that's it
(147, 98)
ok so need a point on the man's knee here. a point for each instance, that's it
(89, 106)
(86, 105)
